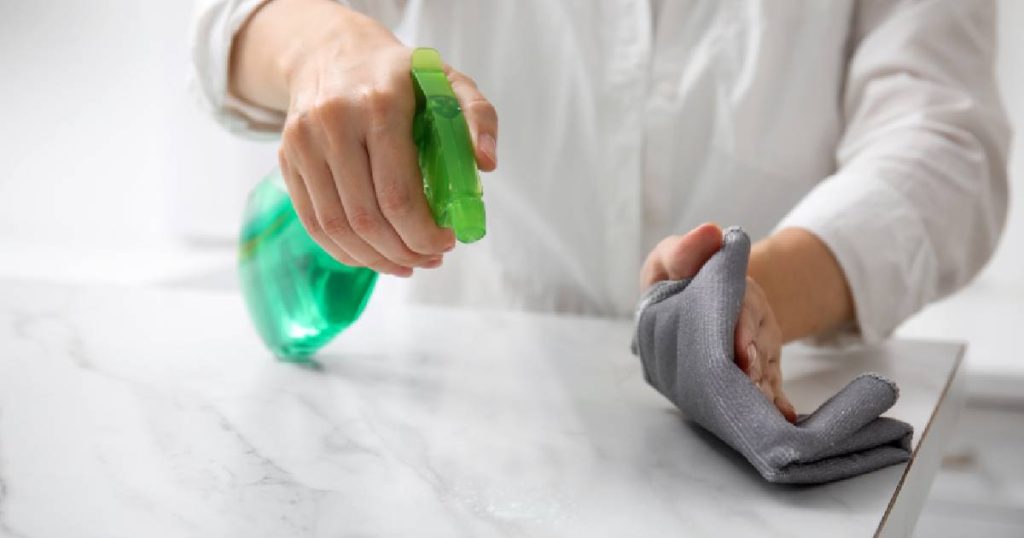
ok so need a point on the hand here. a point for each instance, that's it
(347, 153)
(758, 338)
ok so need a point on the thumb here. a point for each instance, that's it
(731, 266)
(480, 116)
(726, 275)
(678, 257)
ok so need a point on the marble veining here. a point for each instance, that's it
(143, 412)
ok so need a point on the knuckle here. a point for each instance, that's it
(457, 77)
(296, 128)
(332, 112)
(394, 200)
(290, 132)
(311, 225)
(381, 265)
(336, 226)
(481, 107)
(364, 222)
(347, 259)
(429, 243)
(408, 259)
(379, 104)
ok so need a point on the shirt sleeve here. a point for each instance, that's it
(214, 25)
(919, 197)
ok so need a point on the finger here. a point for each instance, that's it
(684, 258)
(744, 357)
(307, 215)
(678, 257)
(769, 337)
(334, 220)
(350, 170)
(344, 228)
(481, 117)
(747, 344)
(784, 406)
(398, 186)
(755, 362)
(781, 401)
(765, 386)
(652, 270)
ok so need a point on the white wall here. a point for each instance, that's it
(101, 141)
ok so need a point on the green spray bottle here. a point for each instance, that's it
(298, 296)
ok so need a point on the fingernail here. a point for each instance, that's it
(489, 147)
(433, 262)
(755, 364)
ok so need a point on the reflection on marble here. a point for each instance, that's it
(135, 412)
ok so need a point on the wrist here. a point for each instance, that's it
(761, 270)
(331, 33)
(284, 39)
(802, 281)
(760, 256)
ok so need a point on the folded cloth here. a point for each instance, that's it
(684, 337)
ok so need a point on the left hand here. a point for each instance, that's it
(758, 336)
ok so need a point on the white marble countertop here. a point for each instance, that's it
(142, 412)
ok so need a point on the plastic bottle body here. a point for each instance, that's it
(298, 296)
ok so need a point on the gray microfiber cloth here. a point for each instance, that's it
(684, 337)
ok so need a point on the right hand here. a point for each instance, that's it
(348, 157)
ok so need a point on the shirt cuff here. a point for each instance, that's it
(213, 34)
(881, 245)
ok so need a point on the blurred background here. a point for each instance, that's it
(113, 174)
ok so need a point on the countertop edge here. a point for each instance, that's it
(910, 494)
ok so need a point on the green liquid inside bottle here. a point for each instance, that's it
(298, 296)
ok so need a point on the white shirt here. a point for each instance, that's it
(876, 125)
